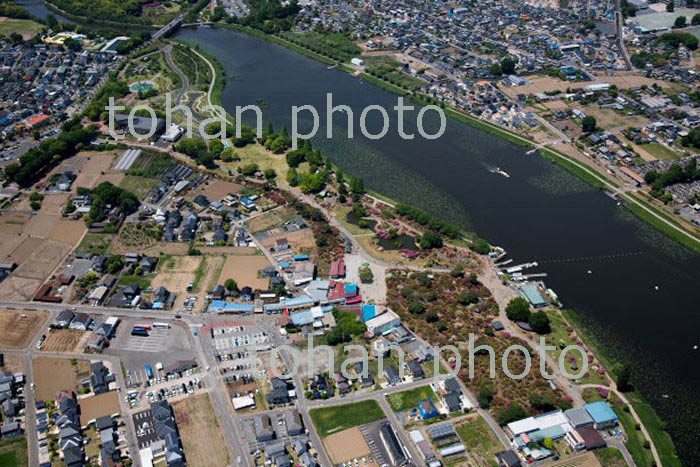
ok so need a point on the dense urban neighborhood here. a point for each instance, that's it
(168, 298)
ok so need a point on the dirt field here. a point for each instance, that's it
(175, 274)
(201, 435)
(52, 375)
(612, 120)
(244, 270)
(63, 340)
(41, 224)
(539, 84)
(17, 288)
(13, 222)
(53, 203)
(43, 260)
(8, 242)
(346, 445)
(215, 190)
(303, 238)
(17, 332)
(271, 218)
(582, 460)
(95, 163)
(13, 363)
(98, 406)
(25, 249)
(68, 232)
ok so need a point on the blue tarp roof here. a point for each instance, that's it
(301, 257)
(222, 305)
(302, 318)
(350, 289)
(368, 312)
(600, 412)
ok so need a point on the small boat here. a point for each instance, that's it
(500, 171)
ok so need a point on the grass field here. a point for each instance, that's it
(13, 452)
(341, 417)
(201, 435)
(479, 438)
(24, 27)
(140, 186)
(655, 427)
(660, 151)
(610, 457)
(96, 244)
(409, 399)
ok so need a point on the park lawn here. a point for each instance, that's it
(329, 420)
(610, 457)
(140, 186)
(660, 151)
(96, 243)
(13, 452)
(409, 399)
(24, 27)
(479, 438)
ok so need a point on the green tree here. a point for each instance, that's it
(270, 174)
(589, 124)
(680, 22)
(467, 298)
(695, 20)
(495, 69)
(231, 285)
(671, 6)
(518, 309)
(416, 307)
(623, 378)
(366, 275)
(507, 66)
(249, 169)
(430, 240)
(539, 321)
(510, 414)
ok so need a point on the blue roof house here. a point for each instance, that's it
(427, 409)
(603, 416)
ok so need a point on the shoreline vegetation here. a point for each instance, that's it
(578, 168)
(655, 426)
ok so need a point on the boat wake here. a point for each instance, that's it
(496, 170)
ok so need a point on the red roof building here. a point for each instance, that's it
(338, 269)
(37, 121)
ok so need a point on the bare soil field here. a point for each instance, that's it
(175, 274)
(67, 231)
(346, 445)
(17, 332)
(98, 406)
(91, 171)
(8, 243)
(612, 120)
(215, 190)
(52, 375)
(13, 363)
(271, 218)
(581, 460)
(16, 288)
(303, 238)
(539, 84)
(40, 224)
(63, 340)
(201, 435)
(13, 222)
(54, 202)
(244, 270)
(167, 248)
(43, 260)
(115, 179)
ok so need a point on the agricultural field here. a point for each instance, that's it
(18, 331)
(201, 435)
(405, 400)
(136, 237)
(98, 406)
(244, 270)
(388, 69)
(335, 46)
(610, 457)
(479, 438)
(347, 445)
(272, 218)
(54, 374)
(337, 418)
(140, 186)
(660, 151)
(176, 272)
(13, 452)
(92, 166)
(215, 190)
(63, 340)
(96, 243)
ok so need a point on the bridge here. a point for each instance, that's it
(168, 28)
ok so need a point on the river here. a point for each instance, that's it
(38, 8)
(621, 275)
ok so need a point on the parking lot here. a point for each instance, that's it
(225, 339)
(145, 432)
(370, 432)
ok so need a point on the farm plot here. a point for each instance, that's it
(201, 435)
(244, 270)
(40, 225)
(16, 288)
(300, 240)
(346, 445)
(176, 273)
(96, 163)
(52, 375)
(8, 243)
(68, 232)
(63, 340)
(18, 327)
(13, 222)
(25, 249)
(43, 260)
(53, 203)
(98, 406)
(270, 219)
(215, 190)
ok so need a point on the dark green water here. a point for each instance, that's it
(541, 213)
